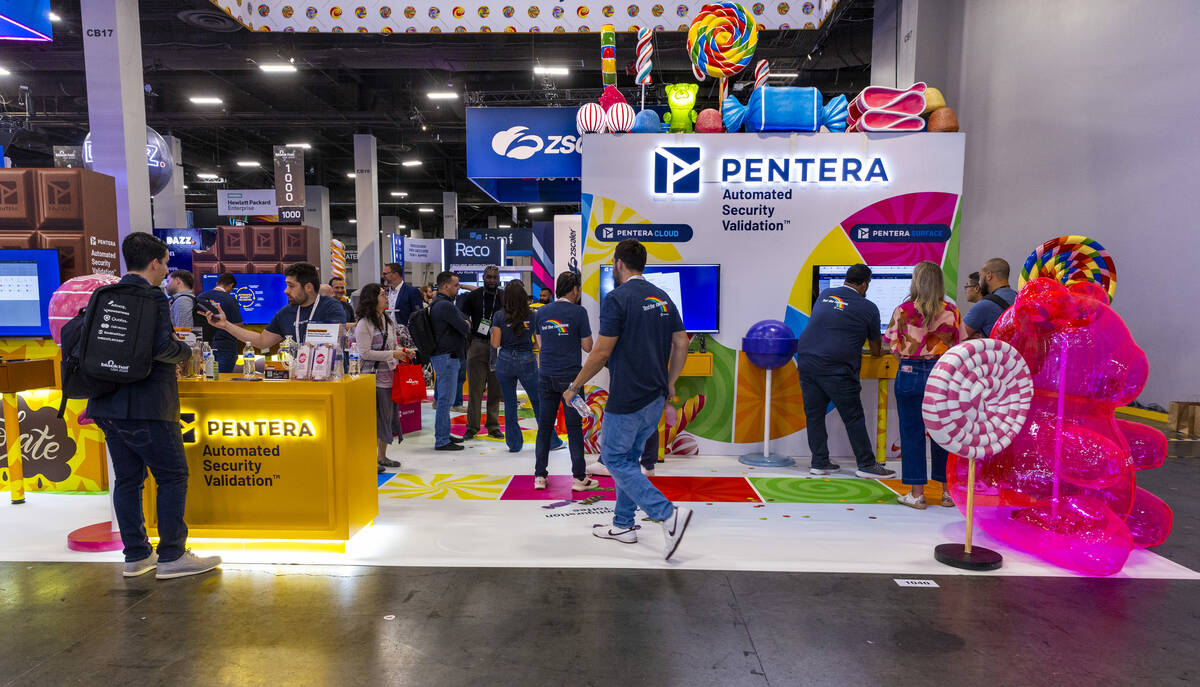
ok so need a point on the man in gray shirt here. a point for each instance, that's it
(183, 299)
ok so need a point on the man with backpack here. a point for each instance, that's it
(140, 418)
(997, 296)
(183, 300)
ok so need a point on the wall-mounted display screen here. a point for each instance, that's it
(27, 280)
(259, 295)
(695, 290)
(889, 286)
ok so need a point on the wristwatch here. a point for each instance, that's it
(577, 389)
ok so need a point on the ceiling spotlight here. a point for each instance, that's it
(401, 226)
(535, 211)
(350, 175)
(424, 127)
(53, 17)
(551, 71)
(411, 163)
(504, 226)
(185, 185)
(205, 100)
(354, 221)
(277, 67)
(4, 72)
(205, 175)
(399, 194)
(426, 210)
(809, 58)
(442, 95)
(248, 163)
(782, 75)
(305, 146)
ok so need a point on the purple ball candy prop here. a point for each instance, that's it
(769, 344)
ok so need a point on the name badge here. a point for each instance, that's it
(485, 327)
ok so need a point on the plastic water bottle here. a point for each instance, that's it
(581, 407)
(248, 360)
(210, 367)
(355, 364)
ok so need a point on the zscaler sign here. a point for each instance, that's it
(678, 171)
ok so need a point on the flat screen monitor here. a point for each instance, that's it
(889, 286)
(695, 290)
(27, 280)
(259, 295)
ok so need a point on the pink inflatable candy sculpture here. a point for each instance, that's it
(73, 295)
(1066, 489)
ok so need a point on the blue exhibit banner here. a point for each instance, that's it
(465, 254)
(525, 154)
(652, 233)
(25, 20)
(181, 243)
(900, 233)
(518, 242)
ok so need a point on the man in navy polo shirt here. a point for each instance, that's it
(223, 344)
(644, 345)
(562, 331)
(304, 306)
(829, 355)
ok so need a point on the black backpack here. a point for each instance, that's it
(108, 343)
(420, 328)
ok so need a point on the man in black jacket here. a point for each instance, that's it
(141, 426)
(481, 305)
(450, 331)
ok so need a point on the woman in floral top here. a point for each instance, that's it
(922, 328)
(381, 345)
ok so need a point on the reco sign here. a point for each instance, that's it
(462, 250)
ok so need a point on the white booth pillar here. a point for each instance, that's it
(366, 209)
(316, 214)
(112, 55)
(170, 205)
(449, 215)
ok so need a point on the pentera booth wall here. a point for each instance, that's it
(766, 208)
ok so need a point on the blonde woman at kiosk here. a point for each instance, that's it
(382, 344)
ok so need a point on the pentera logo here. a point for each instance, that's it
(677, 171)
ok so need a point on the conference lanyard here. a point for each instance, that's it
(311, 313)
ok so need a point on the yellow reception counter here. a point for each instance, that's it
(277, 463)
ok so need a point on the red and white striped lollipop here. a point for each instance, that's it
(977, 398)
(762, 71)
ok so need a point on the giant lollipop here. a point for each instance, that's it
(721, 41)
(608, 54)
(976, 401)
(1069, 259)
(645, 50)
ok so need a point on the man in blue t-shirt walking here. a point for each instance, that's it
(563, 332)
(644, 345)
(829, 356)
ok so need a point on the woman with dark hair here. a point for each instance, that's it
(512, 334)
(381, 345)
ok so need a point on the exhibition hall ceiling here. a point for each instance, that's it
(347, 83)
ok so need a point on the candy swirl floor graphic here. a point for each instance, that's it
(822, 490)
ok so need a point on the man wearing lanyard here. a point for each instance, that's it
(304, 306)
(480, 305)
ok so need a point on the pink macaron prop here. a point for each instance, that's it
(976, 401)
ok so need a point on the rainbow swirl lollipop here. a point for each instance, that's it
(1068, 259)
(722, 39)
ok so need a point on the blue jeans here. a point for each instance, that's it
(910, 394)
(649, 451)
(462, 379)
(134, 446)
(226, 361)
(844, 390)
(513, 367)
(622, 441)
(446, 369)
(552, 388)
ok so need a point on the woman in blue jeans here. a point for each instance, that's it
(923, 327)
(512, 334)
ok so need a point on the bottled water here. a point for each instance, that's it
(581, 407)
(355, 364)
(248, 360)
(210, 365)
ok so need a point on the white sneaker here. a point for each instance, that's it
(628, 536)
(649, 472)
(585, 484)
(141, 567)
(674, 527)
(598, 469)
(539, 482)
(187, 564)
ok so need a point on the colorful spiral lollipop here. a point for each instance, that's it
(645, 50)
(722, 39)
(608, 54)
(1069, 259)
(762, 72)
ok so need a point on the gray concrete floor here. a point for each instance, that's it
(83, 624)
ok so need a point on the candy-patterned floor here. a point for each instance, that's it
(478, 508)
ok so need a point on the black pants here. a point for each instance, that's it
(551, 388)
(844, 390)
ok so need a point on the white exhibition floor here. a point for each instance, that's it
(425, 520)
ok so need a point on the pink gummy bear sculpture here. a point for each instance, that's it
(1066, 487)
